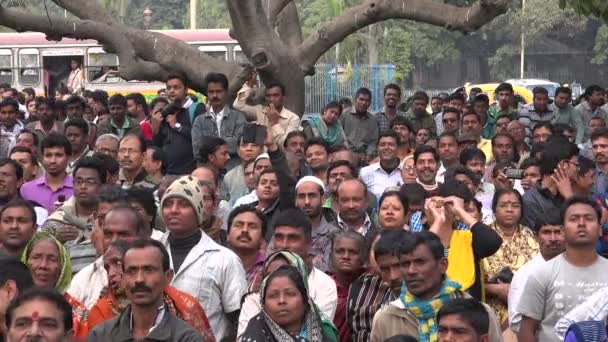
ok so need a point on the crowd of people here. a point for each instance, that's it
(447, 219)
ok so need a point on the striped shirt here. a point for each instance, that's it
(366, 296)
(384, 122)
(530, 116)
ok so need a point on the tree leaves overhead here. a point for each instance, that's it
(598, 8)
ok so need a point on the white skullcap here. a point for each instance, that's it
(262, 156)
(311, 179)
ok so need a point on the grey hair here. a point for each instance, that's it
(108, 136)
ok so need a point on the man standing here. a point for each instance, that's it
(17, 226)
(504, 105)
(173, 132)
(219, 120)
(392, 97)
(10, 126)
(591, 106)
(146, 274)
(599, 143)
(568, 279)
(77, 132)
(75, 78)
(419, 117)
(215, 154)
(387, 172)
(56, 184)
(119, 123)
(246, 231)
(360, 126)
(47, 124)
(537, 111)
(131, 153)
(566, 114)
(137, 108)
(199, 262)
(295, 144)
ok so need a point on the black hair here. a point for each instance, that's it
(391, 241)
(100, 96)
(451, 110)
(294, 218)
(111, 193)
(140, 224)
(109, 164)
(143, 196)
(560, 128)
(211, 145)
(247, 208)
(561, 149)
(564, 90)
(121, 245)
(389, 134)
(10, 102)
(539, 90)
(447, 134)
(177, 76)
(317, 141)
(363, 91)
(214, 77)
(13, 269)
(395, 193)
(504, 87)
(34, 136)
(425, 149)
(481, 98)
(584, 165)
(470, 311)
(80, 124)
(277, 84)
(453, 188)
(14, 164)
(457, 96)
(333, 104)
(413, 193)
(117, 100)
(401, 338)
(48, 295)
(338, 163)
(544, 124)
(50, 102)
(402, 121)
(145, 243)
(470, 113)
(138, 137)
(293, 134)
(157, 100)
(421, 95)
(426, 238)
(451, 173)
(469, 154)
(29, 90)
(600, 133)
(501, 192)
(20, 203)
(581, 200)
(56, 140)
(265, 172)
(139, 100)
(75, 100)
(94, 164)
(392, 86)
(216, 177)
(292, 273)
(158, 155)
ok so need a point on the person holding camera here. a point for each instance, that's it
(172, 127)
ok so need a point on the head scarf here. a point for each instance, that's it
(187, 188)
(65, 274)
(333, 135)
(316, 327)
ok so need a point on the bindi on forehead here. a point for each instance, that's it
(35, 316)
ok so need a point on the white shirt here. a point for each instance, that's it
(247, 199)
(214, 276)
(218, 117)
(377, 180)
(440, 177)
(518, 283)
(322, 291)
(86, 286)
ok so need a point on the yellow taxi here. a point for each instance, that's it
(489, 88)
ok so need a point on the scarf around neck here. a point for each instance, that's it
(425, 310)
(331, 134)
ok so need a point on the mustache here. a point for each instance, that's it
(245, 235)
(140, 287)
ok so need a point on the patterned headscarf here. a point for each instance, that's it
(65, 275)
(189, 189)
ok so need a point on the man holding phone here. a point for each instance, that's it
(171, 127)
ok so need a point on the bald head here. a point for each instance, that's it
(352, 186)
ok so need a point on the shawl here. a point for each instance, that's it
(333, 135)
(425, 310)
(80, 318)
(178, 303)
(65, 274)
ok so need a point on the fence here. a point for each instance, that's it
(332, 82)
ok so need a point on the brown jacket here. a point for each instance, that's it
(393, 319)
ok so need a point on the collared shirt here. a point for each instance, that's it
(218, 117)
(541, 206)
(72, 165)
(586, 113)
(86, 285)
(601, 182)
(489, 129)
(58, 127)
(288, 122)
(214, 275)
(384, 122)
(40, 192)
(322, 244)
(255, 272)
(530, 116)
(361, 132)
(122, 129)
(367, 225)
(377, 180)
(440, 177)
(142, 180)
(159, 318)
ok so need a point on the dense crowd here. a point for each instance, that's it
(436, 219)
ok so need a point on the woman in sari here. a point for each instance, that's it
(115, 302)
(393, 210)
(288, 313)
(326, 126)
(49, 263)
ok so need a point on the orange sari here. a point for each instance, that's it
(178, 302)
(80, 323)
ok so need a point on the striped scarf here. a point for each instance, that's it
(425, 310)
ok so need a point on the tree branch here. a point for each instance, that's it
(274, 8)
(464, 19)
(289, 27)
(87, 9)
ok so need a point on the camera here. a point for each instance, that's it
(513, 173)
(170, 109)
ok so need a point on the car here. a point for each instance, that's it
(531, 83)
(490, 88)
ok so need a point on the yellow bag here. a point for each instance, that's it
(461, 260)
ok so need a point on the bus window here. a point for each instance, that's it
(215, 51)
(102, 67)
(6, 66)
(29, 67)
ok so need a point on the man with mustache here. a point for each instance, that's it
(131, 155)
(387, 172)
(352, 204)
(220, 120)
(146, 273)
(426, 161)
(599, 143)
(551, 243)
(246, 231)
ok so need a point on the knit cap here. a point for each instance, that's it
(189, 189)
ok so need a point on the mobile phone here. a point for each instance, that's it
(254, 133)
(513, 173)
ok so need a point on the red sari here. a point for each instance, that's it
(80, 323)
(178, 302)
